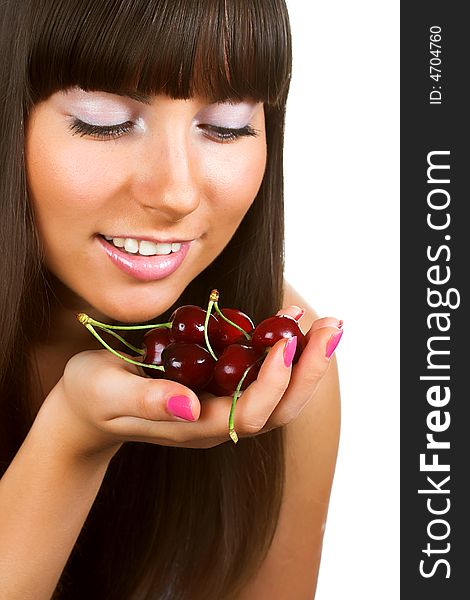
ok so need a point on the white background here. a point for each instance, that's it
(342, 228)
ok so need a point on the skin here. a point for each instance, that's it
(169, 180)
(165, 179)
(170, 177)
(291, 567)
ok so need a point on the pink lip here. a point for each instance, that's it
(145, 268)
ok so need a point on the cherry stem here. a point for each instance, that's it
(232, 432)
(213, 298)
(129, 360)
(220, 313)
(84, 319)
(125, 342)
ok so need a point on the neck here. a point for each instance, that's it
(63, 329)
(60, 338)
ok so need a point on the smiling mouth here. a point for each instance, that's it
(145, 267)
(142, 247)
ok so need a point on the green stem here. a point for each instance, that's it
(206, 324)
(125, 342)
(84, 319)
(232, 432)
(129, 360)
(221, 314)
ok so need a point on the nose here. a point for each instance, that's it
(168, 181)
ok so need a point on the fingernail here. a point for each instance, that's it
(332, 343)
(180, 406)
(300, 314)
(289, 350)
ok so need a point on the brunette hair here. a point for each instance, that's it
(185, 524)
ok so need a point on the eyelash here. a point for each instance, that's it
(106, 132)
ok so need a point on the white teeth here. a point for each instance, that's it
(144, 247)
(131, 245)
(163, 248)
(147, 248)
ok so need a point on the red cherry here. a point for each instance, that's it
(155, 341)
(272, 329)
(229, 369)
(188, 325)
(188, 364)
(230, 334)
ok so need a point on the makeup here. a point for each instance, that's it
(145, 268)
(225, 114)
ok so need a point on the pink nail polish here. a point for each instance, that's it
(180, 406)
(289, 350)
(332, 343)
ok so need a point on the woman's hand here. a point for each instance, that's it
(322, 339)
(279, 393)
(104, 401)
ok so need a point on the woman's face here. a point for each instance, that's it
(170, 175)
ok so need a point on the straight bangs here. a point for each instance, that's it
(215, 49)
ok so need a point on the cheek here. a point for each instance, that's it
(67, 180)
(236, 180)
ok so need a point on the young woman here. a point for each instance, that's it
(160, 122)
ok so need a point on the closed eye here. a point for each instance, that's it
(106, 132)
(228, 134)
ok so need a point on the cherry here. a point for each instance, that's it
(188, 325)
(272, 329)
(230, 334)
(188, 364)
(155, 341)
(181, 350)
(230, 367)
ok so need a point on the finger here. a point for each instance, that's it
(261, 397)
(297, 313)
(252, 408)
(327, 322)
(306, 375)
(293, 311)
(144, 397)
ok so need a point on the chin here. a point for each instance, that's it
(142, 308)
(127, 314)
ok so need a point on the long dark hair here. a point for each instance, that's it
(186, 524)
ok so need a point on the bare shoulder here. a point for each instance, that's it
(291, 567)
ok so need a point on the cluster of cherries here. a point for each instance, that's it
(221, 353)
